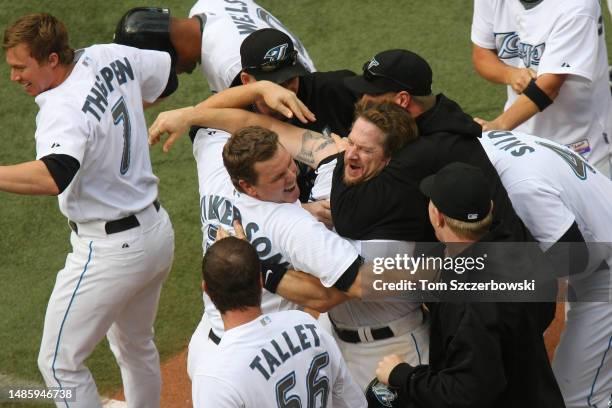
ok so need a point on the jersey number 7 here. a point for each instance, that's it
(120, 114)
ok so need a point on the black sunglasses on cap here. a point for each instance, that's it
(270, 66)
(370, 76)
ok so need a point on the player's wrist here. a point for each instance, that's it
(191, 114)
(272, 274)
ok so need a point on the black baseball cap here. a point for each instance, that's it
(460, 191)
(393, 71)
(269, 54)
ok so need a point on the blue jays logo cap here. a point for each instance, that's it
(393, 71)
(269, 54)
(378, 395)
(460, 191)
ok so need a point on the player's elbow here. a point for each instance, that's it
(322, 304)
(53, 190)
(479, 56)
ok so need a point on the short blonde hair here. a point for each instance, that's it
(470, 230)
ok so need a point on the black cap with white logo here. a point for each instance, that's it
(269, 54)
(393, 71)
(460, 191)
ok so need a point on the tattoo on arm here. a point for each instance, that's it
(312, 143)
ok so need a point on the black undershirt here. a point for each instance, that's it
(62, 167)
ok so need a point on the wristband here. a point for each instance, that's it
(537, 95)
(272, 274)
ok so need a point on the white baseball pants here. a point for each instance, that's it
(110, 285)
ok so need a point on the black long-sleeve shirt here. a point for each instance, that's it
(484, 354)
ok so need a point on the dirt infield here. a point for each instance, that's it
(176, 389)
(176, 386)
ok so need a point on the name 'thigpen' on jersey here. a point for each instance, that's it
(97, 99)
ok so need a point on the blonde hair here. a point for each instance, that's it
(470, 230)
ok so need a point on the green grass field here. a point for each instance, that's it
(34, 235)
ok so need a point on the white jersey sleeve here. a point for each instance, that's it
(326, 256)
(482, 23)
(572, 45)
(52, 128)
(152, 70)
(321, 190)
(209, 391)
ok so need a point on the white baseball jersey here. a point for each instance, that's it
(227, 24)
(87, 117)
(556, 37)
(281, 233)
(551, 187)
(278, 359)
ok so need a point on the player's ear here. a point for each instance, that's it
(53, 59)
(439, 218)
(403, 99)
(204, 287)
(435, 216)
(246, 78)
(247, 188)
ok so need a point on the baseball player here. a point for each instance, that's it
(368, 329)
(232, 51)
(211, 36)
(265, 199)
(552, 55)
(91, 151)
(553, 189)
(265, 360)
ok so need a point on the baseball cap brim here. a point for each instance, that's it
(359, 85)
(280, 75)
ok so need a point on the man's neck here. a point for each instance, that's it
(187, 38)
(235, 318)
(63, 72)
(455, 244)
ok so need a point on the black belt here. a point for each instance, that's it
(120, 225)
(352, 336)
(215, 339)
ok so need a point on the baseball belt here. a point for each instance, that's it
(120, 225)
